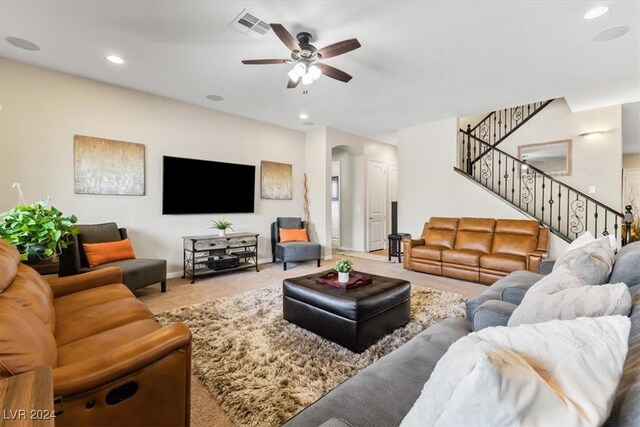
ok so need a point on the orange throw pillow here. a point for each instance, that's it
(102, 253)
(293, 235)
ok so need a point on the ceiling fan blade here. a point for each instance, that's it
(339, 48)
(265, 61)
(334, 73)
(285, 36)
(293, 84)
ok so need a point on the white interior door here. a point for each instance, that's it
(631, 188)
(377, 205)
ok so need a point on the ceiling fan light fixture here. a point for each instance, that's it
(300, 69)
(307, 79)
(293, 75)
(314, 72)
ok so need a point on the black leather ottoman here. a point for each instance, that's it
(353, 318)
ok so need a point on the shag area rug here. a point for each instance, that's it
(263, 369)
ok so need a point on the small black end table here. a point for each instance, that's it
(395, 244)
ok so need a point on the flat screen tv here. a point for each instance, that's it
(191, 186)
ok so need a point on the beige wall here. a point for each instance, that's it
(428, 186)
(43, 109)
(596, 162)
(631, 161)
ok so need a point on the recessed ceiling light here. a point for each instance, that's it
(596, 12)
(115, 59)
(23, 44)
(611, 33)
(216, 98)
(308, 123)
(303, 116)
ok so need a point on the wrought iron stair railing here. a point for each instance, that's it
(566, 211)
(499, 124)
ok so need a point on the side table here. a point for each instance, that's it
(27, 399)
(395, 244)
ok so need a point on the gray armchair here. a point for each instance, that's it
(292, 251)
(136, 273)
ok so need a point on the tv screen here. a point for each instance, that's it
(192, 186)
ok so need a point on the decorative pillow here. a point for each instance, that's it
(102, 253)
(583, 239)
(587, 237)
(563, 295)
(593, 262)
(293, 235)
(626, 268)
(558, 373)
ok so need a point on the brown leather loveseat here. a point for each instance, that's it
(113, 364)
(477, 249)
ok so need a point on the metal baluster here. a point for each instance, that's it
(475, 143)
(499, 169)
(595, 227)
(520, 186)
(568, 205)
(606, 218)
(535, 193)
(577, 198)
(494, 128)
(513, 176)
(615, 227)
(493, 168)
(468, 151)
(542, 207)
(551, 204)
(559, 204)
(505, 122)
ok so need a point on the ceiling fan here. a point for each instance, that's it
(305, 56)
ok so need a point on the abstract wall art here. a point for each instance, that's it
(276, 181)
(107, 166)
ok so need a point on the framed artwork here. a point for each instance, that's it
(276, 181)
(107, 166)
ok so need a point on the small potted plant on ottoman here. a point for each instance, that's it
(344, 267)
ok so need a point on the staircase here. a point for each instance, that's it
(566, 211)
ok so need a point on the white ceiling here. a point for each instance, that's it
(419, 61)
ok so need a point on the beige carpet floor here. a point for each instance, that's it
(205, 410)
(263, 369)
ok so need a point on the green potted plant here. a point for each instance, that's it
(38, 232)
(344, 267)
(222, 225)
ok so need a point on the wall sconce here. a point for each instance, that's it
(593, 135)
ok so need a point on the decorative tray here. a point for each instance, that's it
(356, 279)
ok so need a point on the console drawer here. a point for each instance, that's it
(242, 241)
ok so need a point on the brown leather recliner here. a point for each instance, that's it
(477, 249)
(113, 364)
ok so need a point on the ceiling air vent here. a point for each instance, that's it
(248, 24)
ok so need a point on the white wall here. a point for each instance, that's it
(428, 186)
(318, 169)
(358, 151)
(335, 204)
(318, 153)
(43, 109)
(595, 162)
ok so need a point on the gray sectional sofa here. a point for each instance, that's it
(384, 392)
